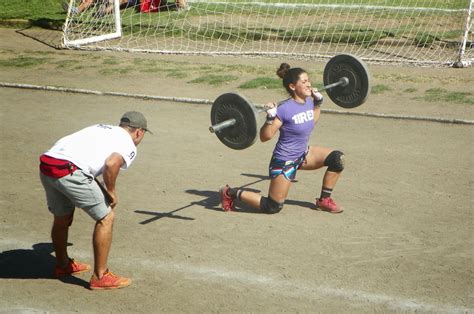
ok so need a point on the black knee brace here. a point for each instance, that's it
(335, 161)
(270, 206)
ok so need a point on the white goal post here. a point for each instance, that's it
(82, 29)
(418, 32)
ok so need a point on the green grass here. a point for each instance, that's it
(344, 33)
(394, 3)
(400, 77)
(442, 95)
(30, 9)
(425, 40)
(176, 73)
(262, 82)
(51, 9)
(24, 62)
(121, 70)
(111, 61)
(67, 64)
(42, 13)
(214, 79)
(49, 14)
(380, 88)
(205, 74)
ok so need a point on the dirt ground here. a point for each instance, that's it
(403, 244)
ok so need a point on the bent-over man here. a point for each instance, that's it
(68, 173)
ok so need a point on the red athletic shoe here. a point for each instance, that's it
(71, 269)
(227, 202)
(108, 281)
(328, 205)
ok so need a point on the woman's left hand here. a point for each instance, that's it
(317, 96)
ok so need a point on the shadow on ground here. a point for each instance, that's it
(211, 201)
(35, 263)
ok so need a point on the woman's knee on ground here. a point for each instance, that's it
(335, 161)
(270, 206)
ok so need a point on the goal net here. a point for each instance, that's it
(425, 32)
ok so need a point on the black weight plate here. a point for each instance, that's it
(233, 106)
(356, 92)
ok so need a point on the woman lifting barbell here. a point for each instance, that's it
(295, 119)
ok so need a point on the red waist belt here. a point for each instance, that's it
(56, 168)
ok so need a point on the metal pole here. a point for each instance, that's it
(462, 50)
(219, 126)
(343, 82)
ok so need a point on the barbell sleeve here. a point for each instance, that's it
(219, 126)
(344, 81)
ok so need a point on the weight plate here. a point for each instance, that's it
(233, 106)
(356, 92)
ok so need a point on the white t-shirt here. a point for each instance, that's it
(90, 147)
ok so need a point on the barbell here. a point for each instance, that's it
(234, 119)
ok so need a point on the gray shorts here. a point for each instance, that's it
(76, 190)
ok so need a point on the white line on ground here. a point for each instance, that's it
(266, 282)
(327, 6)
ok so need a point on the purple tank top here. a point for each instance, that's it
(298, 123)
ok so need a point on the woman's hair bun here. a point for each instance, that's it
(284, 68)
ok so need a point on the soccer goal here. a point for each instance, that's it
(419, 32)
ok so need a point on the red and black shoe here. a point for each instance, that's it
(328, 205)
(227, 202)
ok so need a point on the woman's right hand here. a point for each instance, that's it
(271, 110)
